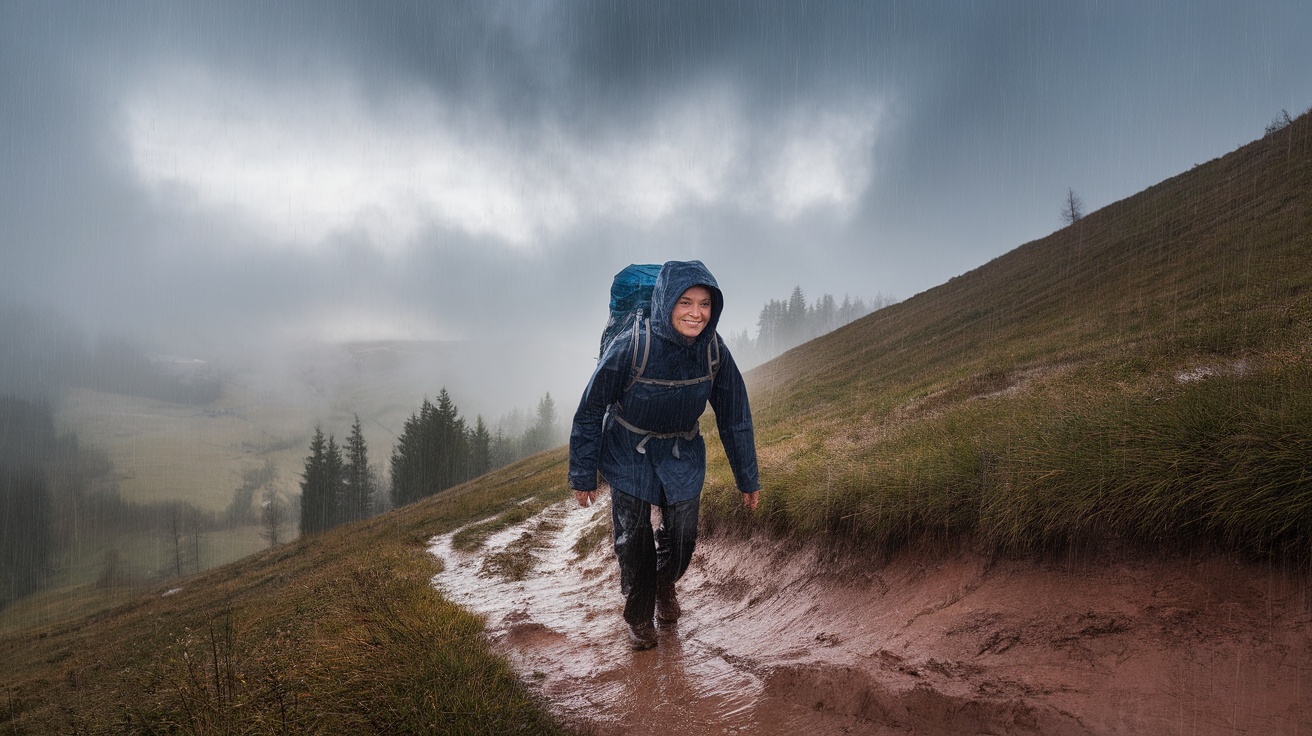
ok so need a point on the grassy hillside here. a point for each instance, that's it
(1142, 375)
(340, 633)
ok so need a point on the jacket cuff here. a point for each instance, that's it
(581, 483)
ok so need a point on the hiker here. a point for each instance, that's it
(637, 424)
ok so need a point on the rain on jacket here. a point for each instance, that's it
(645, 458)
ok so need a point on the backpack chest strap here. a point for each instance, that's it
(642, 337)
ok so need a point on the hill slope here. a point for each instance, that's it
(1142, 375)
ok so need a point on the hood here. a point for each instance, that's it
(675, 278)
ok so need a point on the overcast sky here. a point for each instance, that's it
(204, 173)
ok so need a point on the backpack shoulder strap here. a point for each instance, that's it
(641, 336)
(713, 354)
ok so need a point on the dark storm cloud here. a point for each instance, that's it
(242, 170)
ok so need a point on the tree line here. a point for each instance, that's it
(785, 324)
(437, 449)
(46, 485)
(337, 487)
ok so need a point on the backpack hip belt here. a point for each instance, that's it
(648, 434)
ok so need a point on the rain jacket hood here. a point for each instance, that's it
(675, 278)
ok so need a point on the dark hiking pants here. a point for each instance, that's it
(648, 557)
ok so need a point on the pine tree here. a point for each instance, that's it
(450, 447)
(502, 451)
(480, 446)
(433, 452)
(846, 311)
(770, 337)
(826, 316)
(319, 484)
(410, 481)
(795, 318)
(358, 493)
(542, 435)
(336, 473)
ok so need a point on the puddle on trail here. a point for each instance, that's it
(561, 628)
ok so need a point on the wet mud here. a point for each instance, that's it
(784, 639)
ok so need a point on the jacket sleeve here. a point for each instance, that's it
(604, 388)
(733, 419)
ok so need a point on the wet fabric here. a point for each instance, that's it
(630, 291)
(671, 466)
(650, 557)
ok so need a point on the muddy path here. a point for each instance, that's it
(781, 640)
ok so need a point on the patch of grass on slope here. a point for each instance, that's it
(1141, 375)
(339, 633)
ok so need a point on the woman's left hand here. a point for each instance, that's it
(749, 500)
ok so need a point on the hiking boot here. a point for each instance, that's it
(667, 604)
(642, 636)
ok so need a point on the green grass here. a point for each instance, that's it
(165, 452)
(516, 560)
(104, 570)
(592, 538)
(1140, 377)
(474, 536)
(48, 608)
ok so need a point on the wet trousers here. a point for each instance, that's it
(650, 557)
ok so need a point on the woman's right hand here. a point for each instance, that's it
(585, 498)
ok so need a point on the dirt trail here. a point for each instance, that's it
(783, 641)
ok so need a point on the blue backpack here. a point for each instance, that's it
(630, 298)
(630, 306)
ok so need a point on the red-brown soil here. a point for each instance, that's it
(786, 640)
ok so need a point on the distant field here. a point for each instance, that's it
(166, 452)
(163, 452)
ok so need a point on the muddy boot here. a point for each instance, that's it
(642, 636)
(667, 604)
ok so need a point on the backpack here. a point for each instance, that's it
(630, 297)
(630, 306)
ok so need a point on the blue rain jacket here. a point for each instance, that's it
(648, 466)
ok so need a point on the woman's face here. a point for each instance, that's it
(692, 312)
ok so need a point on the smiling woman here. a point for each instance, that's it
(637, 428)
(691, 312)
